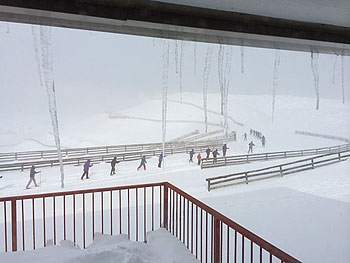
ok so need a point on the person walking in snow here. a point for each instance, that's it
(113, 163)
(87, 166)
(191, 156)
(224, 149)
(234, 136)
(160, 159)
(143, 163)
(245, 136)
(215, 155)
(32, 177)
(263, 141)
(251, 131)
(199, 158)
(208, 151)
(251, 144)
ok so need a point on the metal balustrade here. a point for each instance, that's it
(33, 221)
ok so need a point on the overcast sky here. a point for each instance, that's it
(103, 69)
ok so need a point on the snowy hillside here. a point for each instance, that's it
(305, 214)
(292, 113)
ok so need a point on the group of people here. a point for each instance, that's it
(215, 153)
(259, 135)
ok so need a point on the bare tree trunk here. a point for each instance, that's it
(275, 79)
(221, 52)
(314, 67)
(343, 77)
(205, 86)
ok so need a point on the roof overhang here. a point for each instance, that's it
(175, 21)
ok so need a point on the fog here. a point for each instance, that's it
(99, 72)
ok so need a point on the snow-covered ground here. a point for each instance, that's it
(305, 214)
(161, 247)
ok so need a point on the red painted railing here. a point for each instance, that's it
(34, 221)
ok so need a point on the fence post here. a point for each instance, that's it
(209, 185)
(217, 249)
(14, 224)
(339, 156)
(246, 178)
(165, 210)
(281, 171)
(312, 163)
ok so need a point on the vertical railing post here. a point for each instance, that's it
(216, 237)
(165, 210)
(14, 224)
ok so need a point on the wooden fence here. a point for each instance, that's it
(337, 138)
(28, 222)
(276, 170)
(247, 158)
(103, 154)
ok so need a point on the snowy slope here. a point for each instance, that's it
(305, 214)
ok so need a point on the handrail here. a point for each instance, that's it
(103, 157)
(278, 170)
(107, 149)
(246, 158)
(326, 136)
(284, 257)
(165, 201)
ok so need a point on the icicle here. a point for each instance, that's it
(194, 57)
(36, 50)
(47, 67)
(221, 52)
(334, 68)
(205, 86)
(343, 77)
(226, 85)
(181, 68)
(154, 42)
(8, 28)
(176, 56)
(275, 79)
(242, 59)
(165, 92)
(314, 67)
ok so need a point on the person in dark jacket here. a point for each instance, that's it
(143, 163)
(224, 149)
(113, 163)
(263, 141)
(245, 136)
(208, 151)
(251, 144)
(199, 158)
(32, 177)
(215, 155)
(191, 156)
(160, 160)
(87, 166)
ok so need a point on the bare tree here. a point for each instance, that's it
(275, 79)
(205, 86)
(343, 77)
(314, 67)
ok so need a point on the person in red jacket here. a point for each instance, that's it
(199, 158)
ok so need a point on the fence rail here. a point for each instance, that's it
(98, 155)
(337, 138)
(29, 222)
(276, 170)
(247, 158)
